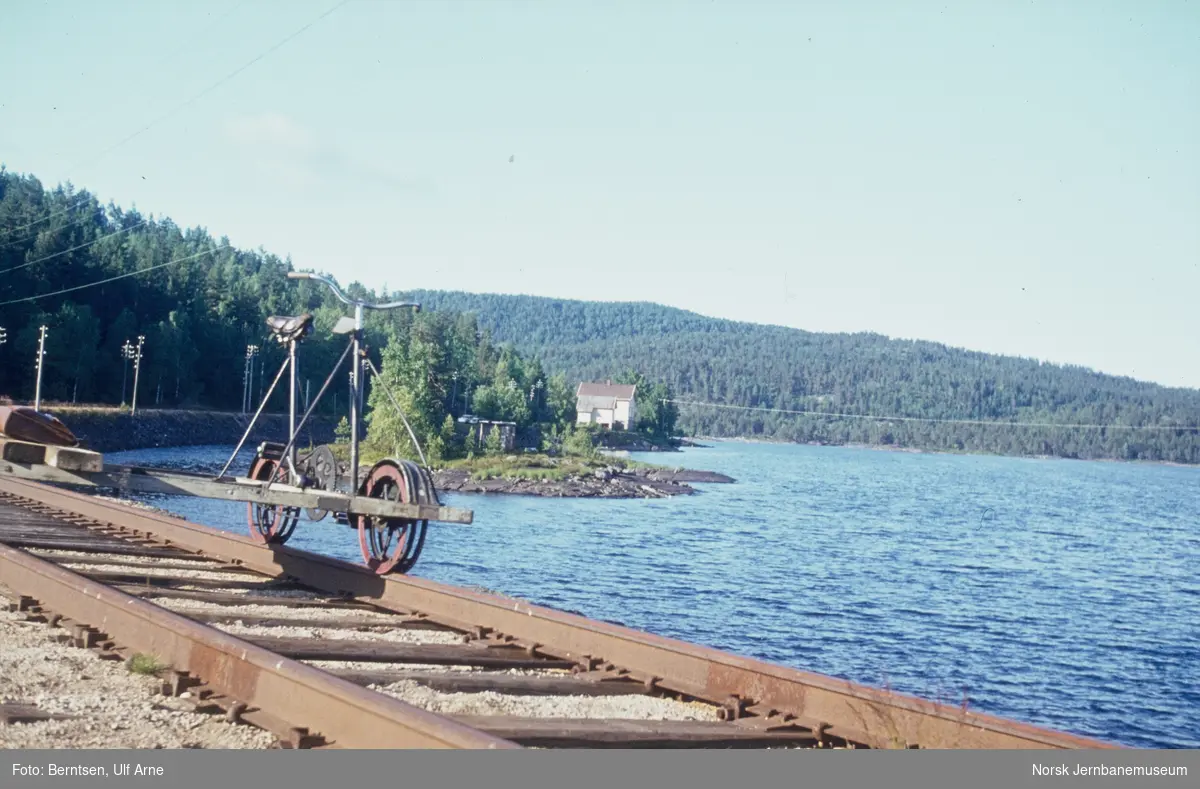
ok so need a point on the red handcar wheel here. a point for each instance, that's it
(269, 523)
(376, 536)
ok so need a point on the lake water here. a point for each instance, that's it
(1061, 593)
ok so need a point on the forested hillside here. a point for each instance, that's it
(98, 276)
(197, 301)
(741, 364)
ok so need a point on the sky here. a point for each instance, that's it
(1012, 177)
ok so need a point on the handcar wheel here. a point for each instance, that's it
(270, 524)
(392, 545)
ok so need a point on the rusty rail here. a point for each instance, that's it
(283, 689)
(757, 694)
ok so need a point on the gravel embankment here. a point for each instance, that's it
(124, 710)
(150, 571)
(367, 618)
(492, 703)
(115, 708)
(486, 703)
(56, 555)
(393, 635)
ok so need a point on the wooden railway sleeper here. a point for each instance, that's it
(209, 702)
(607, 673)
(179, 682)
(298, 737)
(774, 720)
(85, 637)
(733, 709)
(23, 603)
(586, 663)
(493, 641)
(78, 634)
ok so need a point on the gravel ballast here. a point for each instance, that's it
(394, 635)
(632, 707)
(151, 571)
(116, 708)
(55, 555)
(366, 618)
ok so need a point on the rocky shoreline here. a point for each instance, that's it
(610, 482)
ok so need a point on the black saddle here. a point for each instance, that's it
(288, 329)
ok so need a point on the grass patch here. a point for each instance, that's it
(537, 467)
(146, 665)
(515, 466)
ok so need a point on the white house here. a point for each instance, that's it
(608, 405)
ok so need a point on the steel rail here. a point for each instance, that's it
(754, 688)
(349, 716)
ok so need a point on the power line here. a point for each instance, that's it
(212, 87)
(110, 279)
(72, 249)
(990, 423)
(169, 114)
(173, 55)
(47, 218)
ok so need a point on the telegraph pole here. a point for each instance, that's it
(137, 368)
(126, 354)
(262, 373)
(248, 377)
(37, 394)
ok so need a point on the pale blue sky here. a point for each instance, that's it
(1013, 177)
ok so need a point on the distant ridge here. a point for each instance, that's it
(100, 276)
(715, 360)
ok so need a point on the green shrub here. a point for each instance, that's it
(492, 445)
(578, 442)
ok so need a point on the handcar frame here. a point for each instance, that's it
(391, 505)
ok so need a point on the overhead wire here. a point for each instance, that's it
(83, 200)
(75, 248)
(155, 122)
(110, 279)
(173, 55)
(931, 419)
(189, 101)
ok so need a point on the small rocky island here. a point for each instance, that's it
(609, 481)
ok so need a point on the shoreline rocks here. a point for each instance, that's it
(610, 482)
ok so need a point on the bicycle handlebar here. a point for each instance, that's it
(390, 305)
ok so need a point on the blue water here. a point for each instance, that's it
(1061, 593)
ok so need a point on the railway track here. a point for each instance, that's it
(325, 654)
